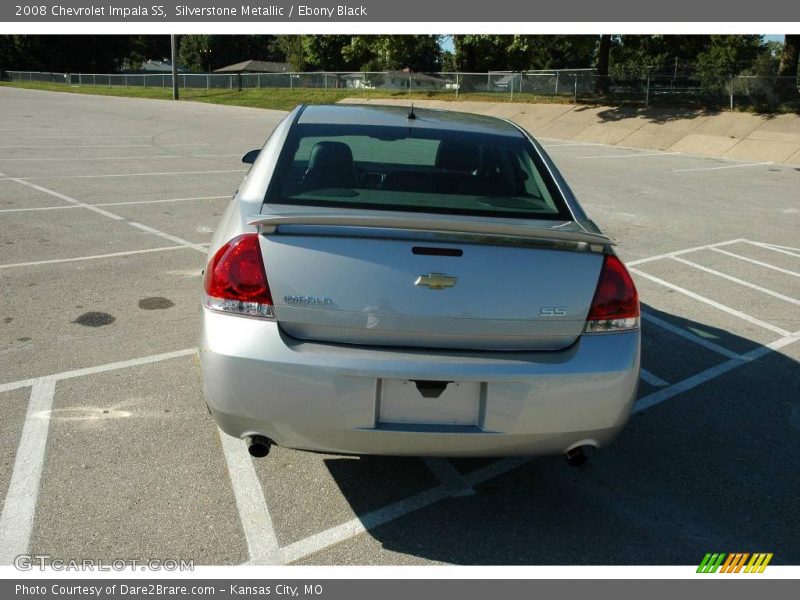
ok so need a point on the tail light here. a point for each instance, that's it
(235, 280)
(615, 306)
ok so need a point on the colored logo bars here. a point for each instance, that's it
(734, 563)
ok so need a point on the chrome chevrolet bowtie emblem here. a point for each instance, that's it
(436, 281)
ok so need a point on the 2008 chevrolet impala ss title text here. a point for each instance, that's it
(414, 282)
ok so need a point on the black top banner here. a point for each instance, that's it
(451, 11)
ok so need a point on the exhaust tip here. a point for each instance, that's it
(576, 457)
(257, 445)
(576, 454)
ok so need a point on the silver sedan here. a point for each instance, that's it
(414, 282)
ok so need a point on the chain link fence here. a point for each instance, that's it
(575, 85)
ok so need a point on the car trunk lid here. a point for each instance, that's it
(438, 281)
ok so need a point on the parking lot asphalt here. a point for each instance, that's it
(108, 452)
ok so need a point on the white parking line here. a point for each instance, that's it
(74, 158)
(757, 262)
(132, 202)
(37, 208)
(50, 147)
(258, 519)
(96, 158)
(81, 137)
(652, 378)
(783, 247)
(63, 197)
(113, 366)
(688, 335)
(712, 373)
(168, 236)
(92, 257)
(656, 257)
(738, 281)
(631, 155)
(362, 523)
(110, 215)
(16, 520)
(710, 302)
(568, 144)
(391, 512)
(719, 168)
(238, 155)
(449, 476)
(494, 469)
(259, 532)
(129, 203)
(150, 174)
(396, 510)
(780, 249)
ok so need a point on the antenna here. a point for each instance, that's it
(411, 115)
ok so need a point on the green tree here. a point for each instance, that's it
(194, 52)
(391, 52)
(65, 53)
(209, 52)
(293, 51)
(788, 66)
(729, 55)
(326, 52)
(560, 51)
(480, 53)
(601, 64)
(790, 53)
(146, 47)
(9, 52)
(636, 56)
(476, 53)
(449, 63)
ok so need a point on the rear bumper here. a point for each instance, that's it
(327, 397)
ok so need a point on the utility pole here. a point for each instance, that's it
(174, 45)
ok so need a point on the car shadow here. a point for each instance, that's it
(712, 468)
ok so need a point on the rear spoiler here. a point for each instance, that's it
(267, 224)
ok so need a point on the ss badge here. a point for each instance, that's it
(553, 311)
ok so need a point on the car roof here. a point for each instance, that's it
(397, 116)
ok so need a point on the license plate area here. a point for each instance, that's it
(404, 401)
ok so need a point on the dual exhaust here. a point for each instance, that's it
(258, 446)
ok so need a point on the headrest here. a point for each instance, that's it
(327, 155)
(455, 155)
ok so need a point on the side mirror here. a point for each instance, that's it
(250, 157)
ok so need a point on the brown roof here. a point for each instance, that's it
(255, 66)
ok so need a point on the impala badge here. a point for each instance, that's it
(436, 281)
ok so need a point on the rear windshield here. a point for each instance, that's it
(422, 170)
